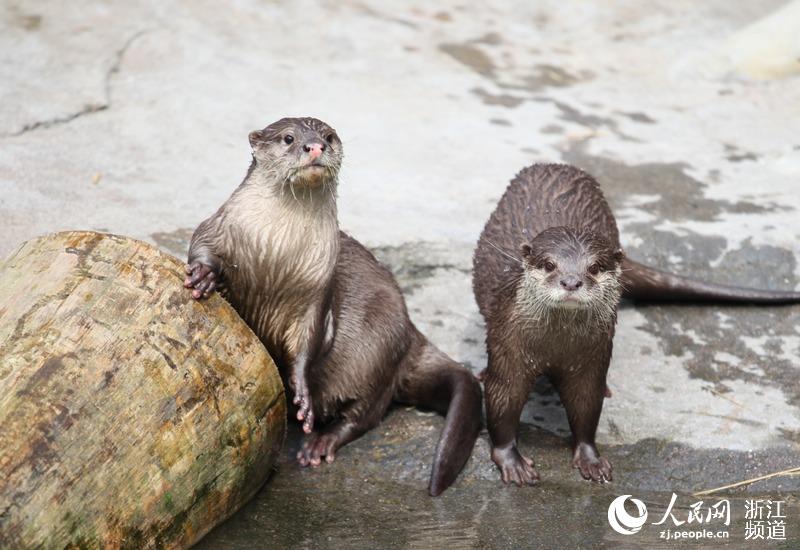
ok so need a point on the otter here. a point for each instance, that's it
(333, 319)
(548, 274)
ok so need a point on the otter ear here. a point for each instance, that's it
(256, 138)
(526, 250)
(619, 255)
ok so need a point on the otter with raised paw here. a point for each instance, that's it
(330, 315)
(548, 276)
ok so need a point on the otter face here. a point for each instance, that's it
(300, 152)
(569, 270)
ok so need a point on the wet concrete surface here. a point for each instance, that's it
(374, 495)
(133, 118)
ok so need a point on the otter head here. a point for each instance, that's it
(298, 152)
(567, 269)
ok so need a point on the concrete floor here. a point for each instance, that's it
(132, 117)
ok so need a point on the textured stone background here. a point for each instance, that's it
(132, 117)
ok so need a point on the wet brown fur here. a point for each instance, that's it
(555, 212)
(331, 316)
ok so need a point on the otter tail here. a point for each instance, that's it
(645, 283)
(430, 379)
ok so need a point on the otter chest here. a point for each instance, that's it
(279, 263)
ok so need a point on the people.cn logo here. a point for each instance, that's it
(621, 521)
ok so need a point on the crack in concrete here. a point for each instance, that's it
(87, 109)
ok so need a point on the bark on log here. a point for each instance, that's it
(131, 416)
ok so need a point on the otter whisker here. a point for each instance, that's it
(503, 252)
(291, 188)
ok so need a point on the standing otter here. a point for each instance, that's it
(548, 276)
(330, 315)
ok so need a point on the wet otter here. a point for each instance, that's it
(548, 275)
(330, 315)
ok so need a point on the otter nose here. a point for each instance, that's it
(571, 282)
(314, 149)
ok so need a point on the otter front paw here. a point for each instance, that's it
(590, 464)
(317, 446)
(202, 279)
(514, 467)
(302, 398)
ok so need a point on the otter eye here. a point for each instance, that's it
(329, 138)
(594, 269)
(287, 139)
(549, 266)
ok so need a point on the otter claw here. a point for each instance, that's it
(514, 467)
(202, 279)
(305, 411)
(316, 447)
(307, 416)
(591, 466)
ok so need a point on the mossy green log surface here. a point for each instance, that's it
(131, 416)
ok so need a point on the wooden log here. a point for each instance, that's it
(131, 416)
